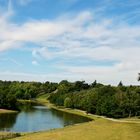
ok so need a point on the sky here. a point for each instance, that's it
(53, 40)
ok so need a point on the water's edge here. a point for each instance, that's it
(66, 116)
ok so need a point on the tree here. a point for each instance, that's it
(120, 84)
(138, 76)
(131, 102)
(79, 85)
(94, 84)
(67, 102)
(64, 86)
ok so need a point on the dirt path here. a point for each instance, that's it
(117, 120)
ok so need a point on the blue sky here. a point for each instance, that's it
(52, 40)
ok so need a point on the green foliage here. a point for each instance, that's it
(67, 102)
(11, 91)
(109, 101)
(7, 100)
(117, 102)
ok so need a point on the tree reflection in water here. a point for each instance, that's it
(7, 121)
(68, 118)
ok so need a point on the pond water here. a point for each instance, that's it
(37, 117)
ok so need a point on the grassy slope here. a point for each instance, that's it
(135, 119)
(8, 135)
(99, 129)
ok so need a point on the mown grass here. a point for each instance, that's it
(137, 118)
(99, 129)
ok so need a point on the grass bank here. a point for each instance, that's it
(7, 111)
(99, 129)
(8, 135)
(94, 130)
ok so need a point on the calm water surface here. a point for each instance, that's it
(37, 117)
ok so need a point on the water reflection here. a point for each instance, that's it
(26, 107)
(37, 117)
(40, 107)
(7, 121)
(68, 118)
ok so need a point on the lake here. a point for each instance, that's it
(36, 118)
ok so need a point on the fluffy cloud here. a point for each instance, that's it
(79, 37)
(35, 63)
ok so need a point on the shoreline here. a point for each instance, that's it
(88, 115)
(95, 126)
(68, 110)
(99, 128)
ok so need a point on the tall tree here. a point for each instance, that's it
(120, 84)
(138, 76)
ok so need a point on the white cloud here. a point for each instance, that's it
(35, 63)
(103, 75)
(54, 77)
(80, 36)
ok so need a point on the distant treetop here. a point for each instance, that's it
(138, 76)
(120, 84)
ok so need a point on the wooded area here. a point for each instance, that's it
(96, 98)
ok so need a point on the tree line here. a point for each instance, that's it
(10, 92)
(112, 101)
(107, 100)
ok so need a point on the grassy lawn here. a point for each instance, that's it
(132, 119)
(98, 129)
